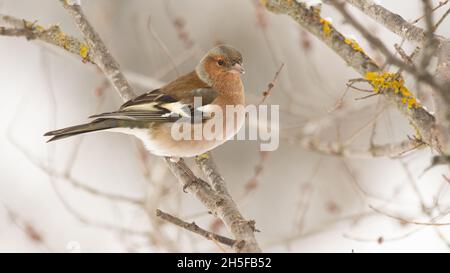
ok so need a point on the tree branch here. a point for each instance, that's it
(100, 54)
(218, 201)
(209, 168)
(354, 56)
(375, 150)
(193, 227)
(420, 74)
(52, 35)
(391, 21)
(242, 229)
(442, 75)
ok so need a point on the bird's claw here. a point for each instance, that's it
(174, 159)
(198, 181)
(190, 183)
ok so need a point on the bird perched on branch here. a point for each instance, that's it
(215, 84)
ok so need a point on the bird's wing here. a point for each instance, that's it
(168, 103)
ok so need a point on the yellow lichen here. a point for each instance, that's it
(353, 44)
(326, 27)
(34, 27)
(203, 156)
(70, 2)
(84, 51)
(61, 37)
(39, 28)
(391, 82)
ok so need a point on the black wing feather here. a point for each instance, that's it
(155, 106)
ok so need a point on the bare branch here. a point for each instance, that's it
(375, 150)
(442, 75)
(271, 85)
(439, 22)
(217, 200)
(207, 165)
(390, 20)
(242, 229)
(441, 4)
(193, 227)
(429, 43)
(403, 220)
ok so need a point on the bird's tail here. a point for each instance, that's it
(96, 125)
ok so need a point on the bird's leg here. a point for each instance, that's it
(202, 156)
(174, 159)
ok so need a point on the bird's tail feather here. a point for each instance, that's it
(96, 125)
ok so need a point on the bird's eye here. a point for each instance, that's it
(220, 62)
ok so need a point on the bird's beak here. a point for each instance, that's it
(238, 68)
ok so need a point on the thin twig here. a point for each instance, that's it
(193, 227)
(403, 220)
(270, 86)
(441, 4)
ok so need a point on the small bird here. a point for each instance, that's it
(150, 116)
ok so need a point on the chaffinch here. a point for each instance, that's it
(151, 116)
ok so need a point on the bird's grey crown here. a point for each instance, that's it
(232, 56)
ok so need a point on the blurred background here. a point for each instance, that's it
(99, 192)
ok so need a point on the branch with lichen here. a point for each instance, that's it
(51, 35)
(100, 54)
(355, 57)
(420, 73)
(94, 51)
(440, 82)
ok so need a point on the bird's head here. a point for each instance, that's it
(218, 61)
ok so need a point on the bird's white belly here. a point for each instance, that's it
(161, 142)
